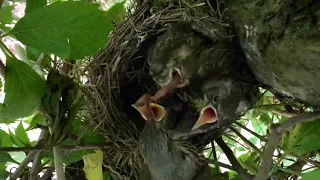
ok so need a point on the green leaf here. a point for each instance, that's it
(303, 138)
(76, 156)
(234, 176)
(24, 89)
(15, 140)
(22, 135)
(5, 157)
(249, 161)
(4, 174)
(264, 117)
(70, 30)
(6, 14)
(33, 5)
(117, 12)
(79, 128)
(311, 175)
(32, 54)
(5, 139)
(37, 120)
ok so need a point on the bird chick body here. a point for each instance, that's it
(166, 159)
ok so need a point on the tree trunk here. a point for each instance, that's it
(281, 42)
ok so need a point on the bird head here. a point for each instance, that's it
(216, 93)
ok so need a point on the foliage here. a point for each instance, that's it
(52, 36)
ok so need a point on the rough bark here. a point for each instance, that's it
(281, 42)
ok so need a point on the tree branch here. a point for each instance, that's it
(262, 138)
(58, 162)
(245, 140)
(48, 173)
(64, 148)
(233, 160)
(276, 132)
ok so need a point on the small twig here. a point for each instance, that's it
(48, 173)
(36, 163)
(227, 166)
(64, 148)
(276, 132)
(2, 69)
(245, 140)
(307, 160)
(262, 138)
(6, 51)
(232, 139)
(283, 113)
(1, 2)
(23, 165)
(232, 159)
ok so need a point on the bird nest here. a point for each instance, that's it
(118, 76)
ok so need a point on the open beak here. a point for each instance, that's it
(207, 115)
(148, 109)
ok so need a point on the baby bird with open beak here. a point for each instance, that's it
(164, 157)
(174, 55)
(223, 101)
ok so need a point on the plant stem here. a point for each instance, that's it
(58, 163)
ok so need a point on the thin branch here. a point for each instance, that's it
(262, 138)
(36, 163)
(64, 148)
(276, 132)
(307, 160)
(23, 165)
(2, 69)
(48, 173)
(232, 139)
(29, 157)
(58, 162)
(233, 160)
(245, 140)
(227, 166)
(1, 2)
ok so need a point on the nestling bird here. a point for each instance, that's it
(175, 54)
(221, 90)
(165, 158)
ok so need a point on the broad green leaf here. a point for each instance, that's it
(16, 141)
(303, 138)
(234, 176)
(249, 161)
(5, 157)
(79, 128)
(70, 30)
(37, 120)
(313, 175)
(34, 5)
(24, 89)
(264, 117)
(6, 14)
(18, 156)
(117, 12)
(5, 139)
(75, 156)
(21, 134)
(4, 174)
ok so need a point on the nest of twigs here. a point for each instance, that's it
(118, 76)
